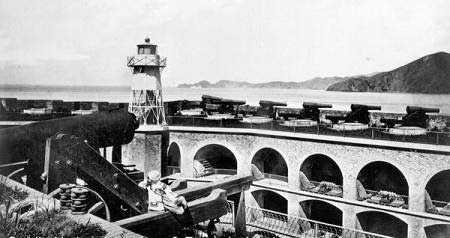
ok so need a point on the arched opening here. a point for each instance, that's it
(437, 188)
(214, 159)
(319, 173)
(322, 211)
(262, 234)
(271, 163)
(382, 223)
(382, 176)
(438, 231)
(271, 201)
(173, 157)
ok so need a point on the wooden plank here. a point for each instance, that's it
(163, 224)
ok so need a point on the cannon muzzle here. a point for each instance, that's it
(366, 107)
(412, 109)
(316, 105)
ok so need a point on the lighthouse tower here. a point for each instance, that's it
(146, 99)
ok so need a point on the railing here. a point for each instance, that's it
(439, 208)
(395, 203)
(376, 133)
(269, 223)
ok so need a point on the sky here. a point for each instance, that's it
(86, 42)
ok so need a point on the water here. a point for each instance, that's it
(390, 102)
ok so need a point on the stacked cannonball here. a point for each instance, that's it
(64, 196)
(79, 200)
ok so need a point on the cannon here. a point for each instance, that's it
(311, 110)
(212, 104)
(359, 113)
(267, 108)
(415, 116)
(99, 130)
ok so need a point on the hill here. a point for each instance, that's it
(429, 74)
(315, 83)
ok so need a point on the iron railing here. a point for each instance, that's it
(375, 133)
(267, 223)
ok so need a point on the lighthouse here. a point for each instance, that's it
(146, 99)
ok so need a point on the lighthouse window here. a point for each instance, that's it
(147, 51)
(141, 51)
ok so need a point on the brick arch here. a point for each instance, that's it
(383, 175)
(322, 211)
(300, 162)
(277, 167)
(224, 159)
(330, 172)
(255, 150)
(382, 223)
(366, 161)
(437, 186)
(223, 143)
(432, 173)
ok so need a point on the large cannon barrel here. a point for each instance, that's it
(366, 107)
(316, 105)
(265, 103)
(412, 109)
(231, 102)
(101, 129)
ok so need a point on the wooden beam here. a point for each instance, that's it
(70, 157)
(231, 185)
(240, 222)
(164, 224)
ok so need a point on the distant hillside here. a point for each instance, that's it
(429, 74)
(315, 83)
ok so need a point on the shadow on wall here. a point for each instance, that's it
(383, 176)
(438, 231)
(322, 211)
(270, 200)
(270, 161)
(381, 223)
(321, 168)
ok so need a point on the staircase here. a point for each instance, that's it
(208, 168)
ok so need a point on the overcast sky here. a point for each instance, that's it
(86, 42)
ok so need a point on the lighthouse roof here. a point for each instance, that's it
(146, 43)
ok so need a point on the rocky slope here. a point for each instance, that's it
(429, 74)
(315, 83)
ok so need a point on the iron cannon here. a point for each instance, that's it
(415, 116)
(359, 113)
(211, 104)
(311, 110)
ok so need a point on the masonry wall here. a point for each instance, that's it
(417, 167)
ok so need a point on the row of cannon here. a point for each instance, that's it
(211, 105)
